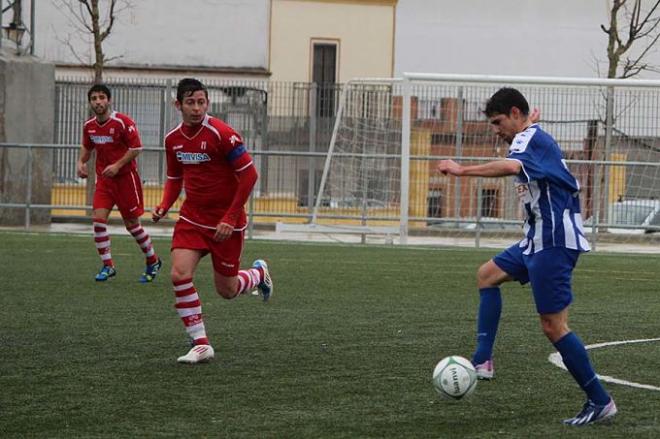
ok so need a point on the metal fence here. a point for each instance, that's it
(386, 129)
(271, 116)
(608, 129)
(383, 152)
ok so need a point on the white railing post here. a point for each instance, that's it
(405, 161)
(331, 148)
(28, 186)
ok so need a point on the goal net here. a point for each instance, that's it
(379, 174)
(359, 190)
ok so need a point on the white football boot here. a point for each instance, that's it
(485, 370)
(201, 353)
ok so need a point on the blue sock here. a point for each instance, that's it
(577, 362)
(490, 309)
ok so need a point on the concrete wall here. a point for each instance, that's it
(363, 31)
(27, 108)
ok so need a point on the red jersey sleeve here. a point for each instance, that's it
(130, 136)
(86, 140)
(174, 168)
(232, 147)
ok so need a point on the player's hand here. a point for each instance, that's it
(157, 213)
(449, 167)
(110, 170)
(223, 231)
(82, 170)
(535, 115)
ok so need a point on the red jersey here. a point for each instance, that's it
(208, 158)
(111, 139)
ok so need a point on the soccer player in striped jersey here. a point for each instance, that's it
(546, 256)
(115, 138)
(207, 158)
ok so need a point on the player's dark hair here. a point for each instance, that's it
(99, 88)
(504, 100)
(188, 86)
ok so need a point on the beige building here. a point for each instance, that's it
(331, 41)
(323, 41)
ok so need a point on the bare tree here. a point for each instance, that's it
(639, 28)
(93, 20)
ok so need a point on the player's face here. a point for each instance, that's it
(506, 126)
(100, 103)
(193, 107)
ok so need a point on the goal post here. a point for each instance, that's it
(389, 134)
(360, 187)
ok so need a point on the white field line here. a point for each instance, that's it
(555, 358)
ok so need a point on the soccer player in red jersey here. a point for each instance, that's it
(115, 138)
(208, 158)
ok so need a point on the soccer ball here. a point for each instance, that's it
(454, 377)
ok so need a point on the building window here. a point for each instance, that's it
(324, 75)
(434, 202)
(489, 201)
(304, 197)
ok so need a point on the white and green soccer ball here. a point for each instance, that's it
(454, 377)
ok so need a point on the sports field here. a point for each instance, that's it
(345, 348)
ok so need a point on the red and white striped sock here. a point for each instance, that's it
(248, 279)
(189, 308)
(144, 241)
(102, 240)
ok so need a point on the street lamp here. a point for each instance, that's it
(15, 30)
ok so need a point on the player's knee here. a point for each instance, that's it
(553, 329)
(178, 275)
(551, 332)
(131, 222)
(225, 291)
(484, 277)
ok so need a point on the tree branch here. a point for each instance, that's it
(640, 25)
(95, 18)
(111, 19)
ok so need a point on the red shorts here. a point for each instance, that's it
(123, 190)
(226, 255)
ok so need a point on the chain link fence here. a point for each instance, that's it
(610, 133)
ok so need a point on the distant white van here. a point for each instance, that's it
(632, 216)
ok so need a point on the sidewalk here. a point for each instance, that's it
(417, 241)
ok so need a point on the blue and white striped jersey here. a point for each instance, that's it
(548, 192)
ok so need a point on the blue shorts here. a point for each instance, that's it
(549, 272)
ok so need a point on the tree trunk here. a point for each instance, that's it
(613, 56)
(98, 43)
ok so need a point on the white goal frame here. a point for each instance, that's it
(406, 86)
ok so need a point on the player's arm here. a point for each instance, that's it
(498, 168)
(535, 115)
(85, 154)
(247, 177)
(173, 185)
(131, 138)
(171, 193)
(113, 169)
(83, 158)
(241, 161)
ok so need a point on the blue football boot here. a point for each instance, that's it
(266, 286)
(151, 271)
(105, 273)
(593, 413)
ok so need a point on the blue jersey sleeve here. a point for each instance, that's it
(526, 149)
